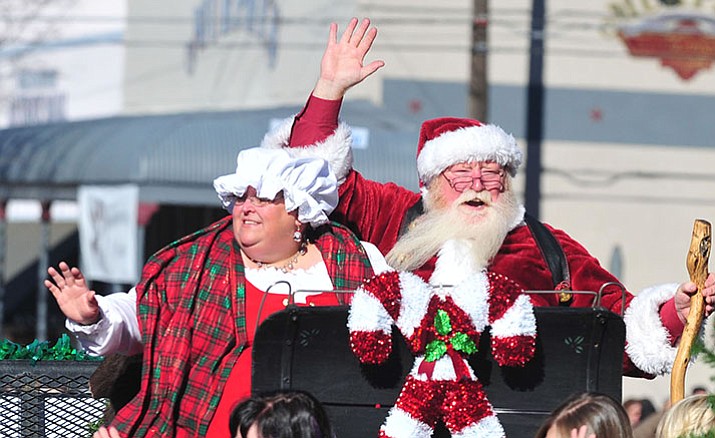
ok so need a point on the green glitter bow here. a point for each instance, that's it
(459, 341)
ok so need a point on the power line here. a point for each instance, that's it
(306, 45)
(577, 21)
(440, 13)
(561, 27)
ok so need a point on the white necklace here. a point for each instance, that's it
(287, 267)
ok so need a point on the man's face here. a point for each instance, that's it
(484, 177)
(469, 202)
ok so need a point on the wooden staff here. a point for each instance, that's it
(697, 263)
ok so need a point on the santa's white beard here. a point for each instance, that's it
(485, 230)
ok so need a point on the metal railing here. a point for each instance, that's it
(47, 399)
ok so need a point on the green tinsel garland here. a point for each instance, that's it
(41, 350)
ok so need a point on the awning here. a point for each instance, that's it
(174, 158)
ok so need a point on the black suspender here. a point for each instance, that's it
(411, 214)
(551, 251)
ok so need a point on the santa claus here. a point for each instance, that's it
(462, 229)
(467, 216)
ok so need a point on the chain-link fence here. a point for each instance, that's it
(47, 399)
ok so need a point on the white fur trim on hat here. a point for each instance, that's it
(335, 149)
(469, 144)
(307, 183)
(647, 340)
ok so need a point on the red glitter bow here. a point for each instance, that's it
(460, 368)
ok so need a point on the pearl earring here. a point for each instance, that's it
(298, 236)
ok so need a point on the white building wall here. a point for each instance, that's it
(242, 60)
(640, 198)
(61, 60)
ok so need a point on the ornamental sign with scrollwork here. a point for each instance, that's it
(679, 33)
(216, 20)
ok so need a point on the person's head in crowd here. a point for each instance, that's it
(647, 409)
(280, 415)
(691, 416)
(699, 390)
(274, 199)
(634, 409)
(465, 169)
(599, 414)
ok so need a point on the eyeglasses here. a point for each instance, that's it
(257, 201)
(461, 179)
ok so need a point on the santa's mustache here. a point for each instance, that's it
(474, 198)
(487, 226)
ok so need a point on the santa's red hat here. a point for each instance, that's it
(449, 140)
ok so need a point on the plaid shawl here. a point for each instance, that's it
(193, 325)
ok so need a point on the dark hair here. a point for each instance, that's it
(647, 409)
(281, 414)
(604, 417)
(699, 390)
(630, 402)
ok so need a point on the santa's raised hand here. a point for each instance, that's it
(343, 65)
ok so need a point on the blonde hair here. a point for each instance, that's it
(691, 415)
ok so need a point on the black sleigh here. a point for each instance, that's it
(307, 348)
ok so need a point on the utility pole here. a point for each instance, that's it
(535, 110)
(478, 87)
(43, 261)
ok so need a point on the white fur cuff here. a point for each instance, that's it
(647, 340)
(335, 149)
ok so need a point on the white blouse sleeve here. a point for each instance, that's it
(117, 330)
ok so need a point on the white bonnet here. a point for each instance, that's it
(307, 183)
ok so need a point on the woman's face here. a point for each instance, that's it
(634, 411)
(552, 433)
(263, 228)
(581, 432)
(252, 432)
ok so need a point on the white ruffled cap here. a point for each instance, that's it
(307, 183)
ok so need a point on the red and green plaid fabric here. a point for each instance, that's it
(193, 325)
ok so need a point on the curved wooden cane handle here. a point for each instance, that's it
(697, 263)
